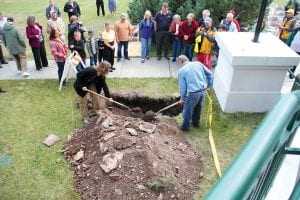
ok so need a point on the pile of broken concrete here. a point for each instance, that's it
(121, 157)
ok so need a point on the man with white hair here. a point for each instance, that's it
(123, 30)
(205, 14)
(228, 22)
(193, 79)
(56, 22)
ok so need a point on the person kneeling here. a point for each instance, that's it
(92, 79)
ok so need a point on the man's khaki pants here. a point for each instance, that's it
(83, 102)
(21, 61)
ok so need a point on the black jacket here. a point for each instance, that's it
(72, 28)
(79, 46)
(76, 9)
(87, 77)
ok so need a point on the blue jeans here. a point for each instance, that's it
(60, 70)
(192, 109)
(125, 44)
(188, 51)
(176, 48)
(80, 67)
(146, 47)
(93, 59)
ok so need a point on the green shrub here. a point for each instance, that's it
(247, 11)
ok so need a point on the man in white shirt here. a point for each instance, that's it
(57, 23)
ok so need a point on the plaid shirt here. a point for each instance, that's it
(59, 50)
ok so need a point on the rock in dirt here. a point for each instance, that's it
(51, 140)
(118, 192)
(109, 136)
(110, 162)
(147, 128)
(140, 187)
(103, 148)
(160, 197)
(115, 176)
(132, 131)
(126, 124)
(79, 155)
(149, 116)
(107, 122)
(123, 142)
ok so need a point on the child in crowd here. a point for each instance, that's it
(207, 40)
(92, 47)
(176, 31)
(78, 45)
(100, 47)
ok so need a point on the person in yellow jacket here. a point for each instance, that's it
(205, 40)
(287, 25)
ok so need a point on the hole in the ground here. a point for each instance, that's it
(145, 103)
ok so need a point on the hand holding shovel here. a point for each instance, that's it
(106, 98)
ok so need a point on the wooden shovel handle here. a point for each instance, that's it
(104, 97)
(167, 107)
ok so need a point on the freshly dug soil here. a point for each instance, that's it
(134, 99)
(118, 156)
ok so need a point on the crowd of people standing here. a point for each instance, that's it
(188, 36)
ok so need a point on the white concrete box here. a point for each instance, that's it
(249, 76)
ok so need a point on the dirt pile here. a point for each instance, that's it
(117, 156)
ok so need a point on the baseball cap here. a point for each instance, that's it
(207, 20)
(91, 32)
(123, 16)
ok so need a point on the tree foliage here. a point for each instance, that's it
(246, 11)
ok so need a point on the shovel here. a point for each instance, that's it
(150, 115)
(167, 107)
(108, 99)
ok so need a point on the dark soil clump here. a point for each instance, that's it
(117, 156)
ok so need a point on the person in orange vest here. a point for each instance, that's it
(287, 25)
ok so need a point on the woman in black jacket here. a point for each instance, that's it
(92, 79)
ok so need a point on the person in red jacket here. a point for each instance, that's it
(59, 51)
(189, 27)
(35, 36)
(235, 21)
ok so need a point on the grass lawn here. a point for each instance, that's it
(29, 113)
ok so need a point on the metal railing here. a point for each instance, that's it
(251, 174)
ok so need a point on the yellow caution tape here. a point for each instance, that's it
(211, 138)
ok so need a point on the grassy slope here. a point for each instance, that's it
(28, 114)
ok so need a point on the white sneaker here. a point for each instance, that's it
(19, 72)
(25, 74)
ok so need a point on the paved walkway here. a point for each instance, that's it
(124, 69)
